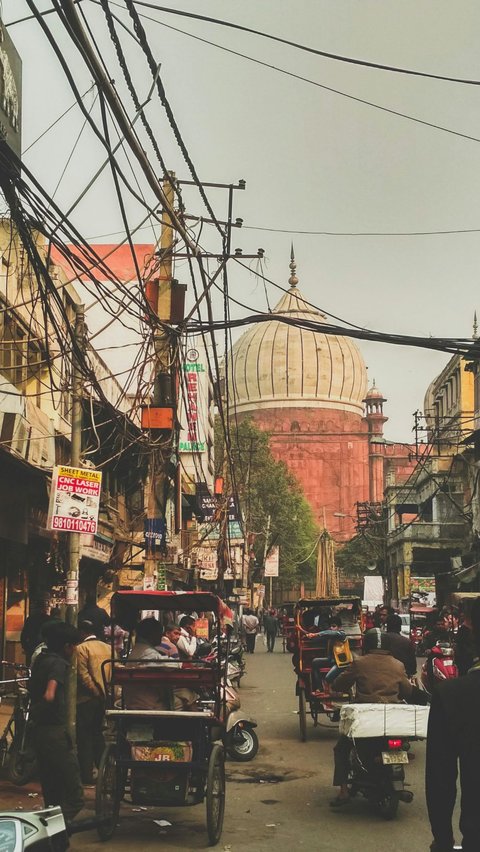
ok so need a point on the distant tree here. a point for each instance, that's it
(362, 550)
(266, 487)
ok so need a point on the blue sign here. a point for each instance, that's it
(154, 533)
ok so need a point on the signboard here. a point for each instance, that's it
(96, 548)
(423, 591)
(74, 500)
(154, 531)
(193, 414)
(207, 562)
(161, 578)
(271, 563)
(10, 93)
(202, 628)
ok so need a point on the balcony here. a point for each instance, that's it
(431, 533)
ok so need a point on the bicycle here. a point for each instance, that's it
(16, 753)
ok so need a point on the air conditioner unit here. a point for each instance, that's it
(20, 437)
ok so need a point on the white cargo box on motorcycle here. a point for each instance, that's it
(384, 720)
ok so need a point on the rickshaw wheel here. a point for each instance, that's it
(107, 795)
(302, 713)
(215, 794)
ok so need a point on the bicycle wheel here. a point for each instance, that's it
(215, 794)
(21, 765)
(302, 713)
(107, 796)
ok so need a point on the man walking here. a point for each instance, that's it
(399, 646)
(57, 762)
(270, 628)
(92, 653)
(250, 627)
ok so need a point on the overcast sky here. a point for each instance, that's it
(313, 160)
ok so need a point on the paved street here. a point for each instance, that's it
(280, 800)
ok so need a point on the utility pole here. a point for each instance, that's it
(160, 416)
(74, 537)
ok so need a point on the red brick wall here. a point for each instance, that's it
(327, 451)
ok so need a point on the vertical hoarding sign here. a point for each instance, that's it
(272, 562)
(74, 500)
(10, 93)
(193, 414)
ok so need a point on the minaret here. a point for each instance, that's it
(376, 419)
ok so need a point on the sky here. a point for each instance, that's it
(313, 160)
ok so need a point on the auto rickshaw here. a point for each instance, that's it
(313, 615)
(165, 757)
(419, 616)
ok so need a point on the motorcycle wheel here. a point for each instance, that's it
(388, 806)
(247, 748)
(21, 766)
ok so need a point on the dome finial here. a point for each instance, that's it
(293, 280)
(475, 326)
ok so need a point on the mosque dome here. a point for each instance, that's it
(277, 365)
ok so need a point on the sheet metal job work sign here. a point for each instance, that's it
(74, 500)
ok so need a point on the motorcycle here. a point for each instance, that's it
(438, 666)
(377, 771)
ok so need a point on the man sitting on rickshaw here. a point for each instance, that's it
(153, 644)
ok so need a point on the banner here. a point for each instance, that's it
(74, 500)
(271, 562)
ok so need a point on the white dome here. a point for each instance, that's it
(275, 365)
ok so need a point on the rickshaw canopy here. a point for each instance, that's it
(125, 605)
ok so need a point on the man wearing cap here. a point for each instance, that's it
(57, 762)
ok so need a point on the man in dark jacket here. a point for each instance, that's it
(454, 738)
(399, 646)
(379, 679)
(57, 762)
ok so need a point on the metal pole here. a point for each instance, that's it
(265, 551)
(74, 537)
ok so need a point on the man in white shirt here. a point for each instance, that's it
(250, 623)
(187, 644)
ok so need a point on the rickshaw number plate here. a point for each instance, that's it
(394, 757)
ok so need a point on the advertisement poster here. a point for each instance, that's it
(422, 591)
(74, 500)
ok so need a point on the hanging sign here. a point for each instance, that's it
(193, 414)
(74, 500)
(271, 563)
(207, 562)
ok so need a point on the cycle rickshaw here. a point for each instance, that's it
(312, 616)
(165, 757)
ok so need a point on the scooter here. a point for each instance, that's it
(40, 830)
(377, 771)
(438, 666)
(241, 741)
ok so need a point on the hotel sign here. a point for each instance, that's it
(193, 404)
